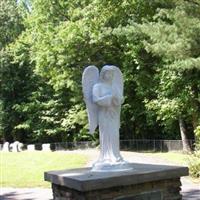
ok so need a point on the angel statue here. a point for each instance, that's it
(103, 95)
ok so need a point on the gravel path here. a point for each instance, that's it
(190, 190)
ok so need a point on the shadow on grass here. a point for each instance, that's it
(192, 194)
(17, 196)
(12, 196)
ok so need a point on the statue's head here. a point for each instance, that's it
(107, 73)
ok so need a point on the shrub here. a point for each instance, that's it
(194, 164)
(194, 161)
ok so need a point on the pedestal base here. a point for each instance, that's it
(143, 182)
(158, 190)
(116, 167)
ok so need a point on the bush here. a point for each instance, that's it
(194, 162)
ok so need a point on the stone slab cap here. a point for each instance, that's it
(83, 179)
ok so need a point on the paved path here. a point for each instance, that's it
(190, 190)
(25, 194)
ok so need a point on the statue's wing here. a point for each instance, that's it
(118, 84)
(89, 78)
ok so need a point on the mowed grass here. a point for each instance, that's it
(26, 169)
(173, 157)
(177, 158)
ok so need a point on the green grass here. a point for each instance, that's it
(26, 169)
(177, 158)
(173, 157)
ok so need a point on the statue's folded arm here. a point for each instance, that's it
(101, 100)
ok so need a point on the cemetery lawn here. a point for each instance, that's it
(26, 169)
(178, 158)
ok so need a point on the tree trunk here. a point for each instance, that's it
(183, 130)
(196, 105)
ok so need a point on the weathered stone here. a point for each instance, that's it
(155, 195)
(46, 147)
(6, 147)
(131, 192)
(14, 146)
(31, 147)
(20, 146)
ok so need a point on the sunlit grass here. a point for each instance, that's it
(26, 169)
(173, 157)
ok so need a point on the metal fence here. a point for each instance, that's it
(61, 146)
(154, 145)
(73, 145)
(130, 145)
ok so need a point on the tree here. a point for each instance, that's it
(10, 22)
(73, 34)
(62, 37)
(10, 27)
(174, 36)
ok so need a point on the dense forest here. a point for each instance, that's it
(46, 44)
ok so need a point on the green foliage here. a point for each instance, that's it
(173, 35)
(194, 164)
(17, 83)
(97, 33)
(12, 88)
(11, 23)
(194, 161)
(155, 44)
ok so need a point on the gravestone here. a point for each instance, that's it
(20, 146)
(6, 147)
(11, 147)
(14, 146)
(46, 147)
(31, 147)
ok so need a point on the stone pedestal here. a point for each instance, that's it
(143, 182)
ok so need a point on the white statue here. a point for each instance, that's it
(103, 95)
